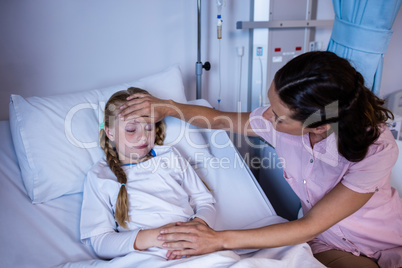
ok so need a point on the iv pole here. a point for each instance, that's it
(198, 64)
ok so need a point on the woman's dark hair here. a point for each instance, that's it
(323, 88)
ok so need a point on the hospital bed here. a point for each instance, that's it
(48, 145)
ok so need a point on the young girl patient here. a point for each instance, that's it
(137, 187)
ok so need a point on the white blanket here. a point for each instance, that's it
(290, 256)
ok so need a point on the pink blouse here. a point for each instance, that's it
(375, 230)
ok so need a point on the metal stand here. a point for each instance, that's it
(198, 65)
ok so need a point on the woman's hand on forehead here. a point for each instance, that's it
(143, 106)
(139, 120)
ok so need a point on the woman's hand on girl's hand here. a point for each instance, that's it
(200, 221)
(149, 238)
(171, 256)
(146, 106)
(190, 238)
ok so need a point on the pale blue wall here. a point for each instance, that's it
(50, 47)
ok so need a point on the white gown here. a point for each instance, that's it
(161, 190)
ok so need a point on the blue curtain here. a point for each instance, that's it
(361, 34)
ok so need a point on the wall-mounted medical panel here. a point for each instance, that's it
(280, 31)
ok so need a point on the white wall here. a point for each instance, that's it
(52, 47)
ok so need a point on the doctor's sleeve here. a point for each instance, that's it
(262, 127)
(374, 170)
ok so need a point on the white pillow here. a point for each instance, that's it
(56, 138)
(187, 139)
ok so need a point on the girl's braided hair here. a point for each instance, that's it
(111, 114)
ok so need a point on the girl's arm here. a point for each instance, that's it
(114, 244)
(200, 198)
(139, 105)
(148, 238)
(98, 226)
(193, 239)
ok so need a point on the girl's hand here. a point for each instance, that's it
(143, 105)
(190, 238)
(149, 238)
(200, 221)
(171, 256)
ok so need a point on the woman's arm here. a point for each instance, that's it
(113, 244)
(154, 109)
(148, 238)
(194, 239)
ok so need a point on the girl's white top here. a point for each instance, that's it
(161, 190)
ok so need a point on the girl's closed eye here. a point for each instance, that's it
(131, 128)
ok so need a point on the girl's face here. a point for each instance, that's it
(279, 115)
(133, 140)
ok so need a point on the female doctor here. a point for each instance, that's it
(338, 154)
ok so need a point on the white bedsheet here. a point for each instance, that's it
(42, 235)
(47, 235)
(283, 257)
